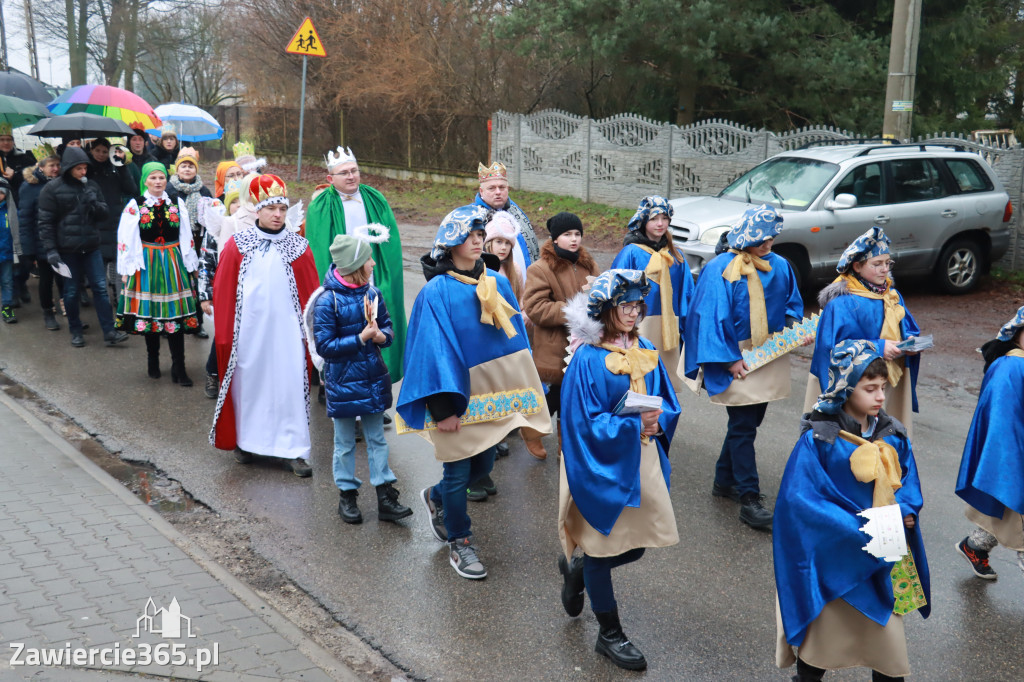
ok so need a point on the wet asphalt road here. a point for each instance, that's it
(702, 610)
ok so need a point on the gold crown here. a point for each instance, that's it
(242, 148)
(496, 170)
(6, 129)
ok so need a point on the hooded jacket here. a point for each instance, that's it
(28, 204)
(70, 210)
(115, 182)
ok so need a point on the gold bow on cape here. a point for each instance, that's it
(636, 362)
(1015, 353)
(747, 265)
(659, 270)
(878, 462)
(493, 308)
(894, 314)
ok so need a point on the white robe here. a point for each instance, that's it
(268, 390)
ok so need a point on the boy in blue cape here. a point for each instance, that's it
(991, 479)
(862, 303)
(840, 606)
(470, 378)
(741, 297)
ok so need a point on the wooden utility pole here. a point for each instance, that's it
(30, 30)
(899, 91)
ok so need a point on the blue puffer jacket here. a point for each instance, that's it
(356, 378)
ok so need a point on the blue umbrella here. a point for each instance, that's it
(191, 123)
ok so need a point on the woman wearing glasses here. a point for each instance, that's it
(862, 303)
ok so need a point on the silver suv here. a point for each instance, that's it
(944, 209)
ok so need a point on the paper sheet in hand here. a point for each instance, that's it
(885, 527)
(917, 343)
(62, 269)
(370, 307)
(635, 403)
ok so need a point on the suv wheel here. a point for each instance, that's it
(797, 262)
(960, 266)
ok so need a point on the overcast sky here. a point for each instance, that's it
(54, 67)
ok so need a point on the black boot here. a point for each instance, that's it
(805, 672)
(612, 642)
(572, 585)
(177, 343)
(153, 355)
(50, 320)
(388, 506)
(347, 508)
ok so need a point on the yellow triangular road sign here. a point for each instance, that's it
(306, 41)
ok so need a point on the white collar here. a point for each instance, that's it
(358, 196)
(151, 200)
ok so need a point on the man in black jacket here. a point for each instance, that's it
(71, 208)
(115, 183)
(13, 160)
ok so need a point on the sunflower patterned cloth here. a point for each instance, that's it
(869, 245)
(615, 287)
(1010, 328)
(846, 367)
(456, 226)
(757, 225)
(649, 206)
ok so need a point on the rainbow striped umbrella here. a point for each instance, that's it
(106, 100)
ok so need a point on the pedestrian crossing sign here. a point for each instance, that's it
(306, 41)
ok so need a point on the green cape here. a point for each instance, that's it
(325, 220)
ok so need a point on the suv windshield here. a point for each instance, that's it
(783, 182)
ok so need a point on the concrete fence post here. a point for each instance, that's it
(587, 164)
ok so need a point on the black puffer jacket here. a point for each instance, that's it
(118, 188)
(28, 205)
(70, 211)
(17, 160)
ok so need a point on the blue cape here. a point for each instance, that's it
(632, 257)
(446, 339)
(719, 316)
(816, 536)
(519, 236)
(854, 317)
(601, 449)
(992, 468)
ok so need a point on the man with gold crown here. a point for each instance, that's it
(264, 277)
(493, 196)
(349, 205)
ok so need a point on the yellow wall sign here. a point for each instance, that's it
(306, 41)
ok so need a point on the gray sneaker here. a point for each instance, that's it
(464, 559)
(435, 516)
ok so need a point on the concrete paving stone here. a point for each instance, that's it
(263, 670)
(15, 534)
(150, 543)
(97, 588)
(16, 630)
(142, 563)
(10, 614)
(272, 643)
(84, 616)
(42, 574)
(228, 676)
(134, 592)
(225, 639)
(49, 538)
(311, 675)
(212, 596)
(168, 553)
(99, 634)
(158, 579)
(10, 570)
(234, 611)
(69, 602)
(19, 585)
(31, 600)
(122, 575)
(198, 580)
(57, 632)
(38, 525)
(61, 587)
(93, 518)
(15, 506)
(249, 627)
(26, 546)
(181, 567)
(44, 615)
(63, 550)
(120, 541)
(106, 530)
(34, 559)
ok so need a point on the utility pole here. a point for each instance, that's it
(30, 29)
(899, 90)
(3, 39)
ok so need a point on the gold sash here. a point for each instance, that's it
(894, 314)
(878, 462)
(659, 270)
(1015, 353)
(493, 308)
(747, 265)
(636, 362)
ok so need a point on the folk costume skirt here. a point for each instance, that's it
(652, 524)
(158, 299)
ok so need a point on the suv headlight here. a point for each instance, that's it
(711, 237)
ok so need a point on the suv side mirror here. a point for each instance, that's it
(840, 202)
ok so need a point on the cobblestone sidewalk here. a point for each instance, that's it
(93, 578)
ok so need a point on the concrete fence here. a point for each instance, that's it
(620, 159)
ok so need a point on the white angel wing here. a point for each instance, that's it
(293, 220)
(211, 215)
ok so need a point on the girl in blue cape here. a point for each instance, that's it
(648, 247)
(742, 296)
(991, 479)
(613, 492)
(470, 378)
(862, 303)
(840, 606)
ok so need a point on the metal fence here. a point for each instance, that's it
(620, 159)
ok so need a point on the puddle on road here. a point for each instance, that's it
(145, 481)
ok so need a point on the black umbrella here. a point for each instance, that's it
(80, 125)
(18, 84)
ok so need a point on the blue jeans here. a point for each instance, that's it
(345, 451)
(91, 266)
(7, 282)
(597, 577)
(450, 493)
(737, 463)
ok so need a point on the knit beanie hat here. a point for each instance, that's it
(563, 222)
(147, 170)
(349, 253)
(188, 154)
(501, 226)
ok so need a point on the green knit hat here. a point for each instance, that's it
(147, 170)
(349, 253)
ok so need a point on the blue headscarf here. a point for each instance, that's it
(870, 244)
(1010, 328)
(846, 367)
(615, 287)
(649, 206)
(456, 226)
(757, 226)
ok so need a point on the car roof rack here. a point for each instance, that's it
(839, 142)
(881, 143)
